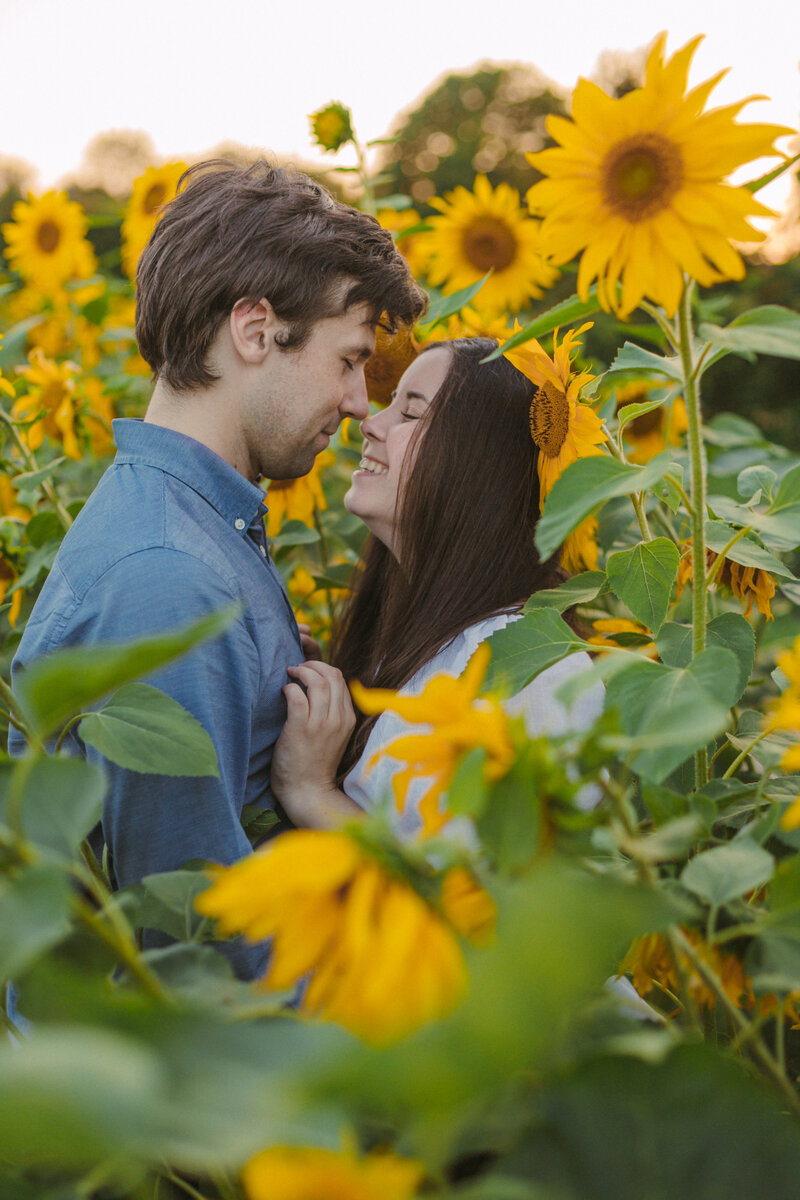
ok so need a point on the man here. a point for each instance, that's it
(258, 297)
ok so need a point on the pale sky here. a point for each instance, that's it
(193, 73)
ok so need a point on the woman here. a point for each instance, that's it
(448, 488)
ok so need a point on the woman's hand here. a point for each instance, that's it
(311, 647)
(319, 721)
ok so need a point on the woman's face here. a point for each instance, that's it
(389, 436)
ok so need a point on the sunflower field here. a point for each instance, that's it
(572, 1004)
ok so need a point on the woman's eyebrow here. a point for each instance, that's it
(416, 396)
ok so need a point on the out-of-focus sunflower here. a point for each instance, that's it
(9, 506)
(382, 960)
(636, 185)
(297, 499)
(750, 585)
(785, 714)
(307, 1173)
(414, 247)
(332, 126)
(46, 241)
(393, 354)
(8, 577)
(52, 390)
(647, 435)
(651, 965)
(151, 191)
(98, 416)
(483, 229)
(607, 632)
(563, 429)
(455, 720)
(469, 323)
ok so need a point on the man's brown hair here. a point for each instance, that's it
(242, 233)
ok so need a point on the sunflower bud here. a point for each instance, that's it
(331, 126)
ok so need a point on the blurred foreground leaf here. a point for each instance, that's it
(143, 729)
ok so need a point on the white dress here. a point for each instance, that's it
(537, 703)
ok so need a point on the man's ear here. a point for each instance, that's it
(253, 328)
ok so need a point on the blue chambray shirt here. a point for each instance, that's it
(162, 541)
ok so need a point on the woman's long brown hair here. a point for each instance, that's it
(466, 521)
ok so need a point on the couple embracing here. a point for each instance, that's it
(258, 300)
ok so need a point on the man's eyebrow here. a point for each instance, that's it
(362, 353)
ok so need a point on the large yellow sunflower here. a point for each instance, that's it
(637, 185)
(298, 1172)
(46, 241)
(151, 191)
(483, 229)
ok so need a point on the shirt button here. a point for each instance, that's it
(239, 523)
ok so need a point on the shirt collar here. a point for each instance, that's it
(237, 500)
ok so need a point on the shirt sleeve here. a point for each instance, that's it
(154, 823)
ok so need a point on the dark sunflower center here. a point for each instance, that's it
(549, 419)
(641, 174)
(48, 235)
(490, 243)
(649, 422)
(154, 198)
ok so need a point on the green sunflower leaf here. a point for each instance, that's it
(722, 874)
(755, 185)
(633, 358)
(586, 485)
(527, 647)
(769, 329)
(566, 313)
(642, 578)
(143, 729)
(729, 630)
(580, 589)
(746, 552)
(445, 306)
(668, 713)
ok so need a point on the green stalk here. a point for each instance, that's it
(368, 198)
(32, 465)
(697, 459)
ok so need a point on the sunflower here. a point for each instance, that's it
(297, 499)
(332, 126)
(393, 353)
(151, 191)
(470, 322)
(412, 248)
(649, 434)
(382, 961)
(651, 965)
(8, 578)
(750, 585)
(637, 185)
(301, 1172)
(46, 241)
(455, 721)
(52, 391)
(785, 714)
(606, 627)
(96, 420)
(482, 230)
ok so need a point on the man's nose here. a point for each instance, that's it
(356, 403)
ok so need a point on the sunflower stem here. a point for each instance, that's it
(697, 460)
(720, 559)
(638, 501)
(661, 321)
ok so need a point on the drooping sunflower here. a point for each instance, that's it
(46, 241)
(332, 126)
(151, 191)
(297, 499)
(637, 185)
(301, 1172)
(483, 229)
(647, 435)
(750, 585)
(382, 960)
